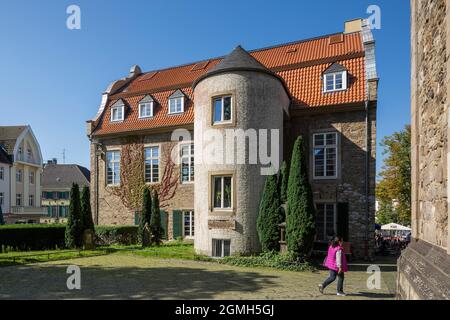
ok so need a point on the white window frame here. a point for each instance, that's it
(31, 177)
(191, 165)
(325, 234)
(2, 198)
(19, 197)
(344, 81)
(222, 98)
(31, 200)
(2, 173)
(222, 254)
(143, 105)
(19, 176)
(122, 110)
(174, 100)
(113, 162)
(222, 200)
(150, 160)
(325, 147)
(191, 215)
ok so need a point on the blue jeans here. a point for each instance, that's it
(332, 277)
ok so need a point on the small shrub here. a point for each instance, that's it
(270, 259)
(116, 235)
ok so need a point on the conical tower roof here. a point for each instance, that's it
(238, 60)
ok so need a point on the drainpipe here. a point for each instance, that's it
(367, 173)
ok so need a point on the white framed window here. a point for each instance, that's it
(335, 81)
(221, 248)
(2, 173)
(29, 155)
(326, 221)
(151, 164)
(18, 199)
(19, 175)
(31, 200)
(113, 167)
(145, 110)
(222, 109)
(188, 224)
(222, 192)
(187, 162)
(31, 177)
(325, 160)
(176, 105)
(2, 198)
(20, 154)
(117, 113)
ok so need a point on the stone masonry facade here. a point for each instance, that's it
(424, 268)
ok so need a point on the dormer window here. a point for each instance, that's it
(146, 107)
(176, 102)
(335, 78)
(118, 111)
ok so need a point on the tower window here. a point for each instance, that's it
(222, 109)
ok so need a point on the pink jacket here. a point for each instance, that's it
(330, 261)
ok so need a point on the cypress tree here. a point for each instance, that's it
(146, 212)
(283, 182)
(155, 224)
(270, 216)
(86, 212)
(300, 221)
(74, 228)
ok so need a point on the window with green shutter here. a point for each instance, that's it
(177, 216)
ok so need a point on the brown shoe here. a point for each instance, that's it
(321, 288)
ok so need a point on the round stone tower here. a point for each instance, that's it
(240, 106)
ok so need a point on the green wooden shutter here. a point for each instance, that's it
(177, 223)
(342, 220)
(164, 222)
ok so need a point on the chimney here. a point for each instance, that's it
(353, 26)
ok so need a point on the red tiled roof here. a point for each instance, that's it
(300, 64)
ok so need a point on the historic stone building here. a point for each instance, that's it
(324, 89)
(424, 268)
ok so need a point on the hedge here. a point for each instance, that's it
(33, 237)
(116, 235)
(27, 237)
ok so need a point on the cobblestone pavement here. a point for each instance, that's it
(122, 276)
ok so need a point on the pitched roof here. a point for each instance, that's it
(9, 135)
(4, 157)
(61, 176)
(300, 64)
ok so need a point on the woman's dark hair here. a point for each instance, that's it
(335, 241)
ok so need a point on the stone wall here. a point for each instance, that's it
(423, 268)
(112, 210)
(350, 185)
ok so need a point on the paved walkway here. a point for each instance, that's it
(121, 276)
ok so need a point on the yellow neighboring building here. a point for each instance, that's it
(22, 178)
(57, 180)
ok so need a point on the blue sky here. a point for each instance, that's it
(52, 78)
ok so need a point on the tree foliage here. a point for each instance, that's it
(394, 189)
(270, 216)
(74, 228)
(155, 222)
(283, 181)
(146, 213)
(86, 212)
(300, 221)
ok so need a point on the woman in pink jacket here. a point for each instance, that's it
(337, 264)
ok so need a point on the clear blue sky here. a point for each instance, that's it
(52, 78)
